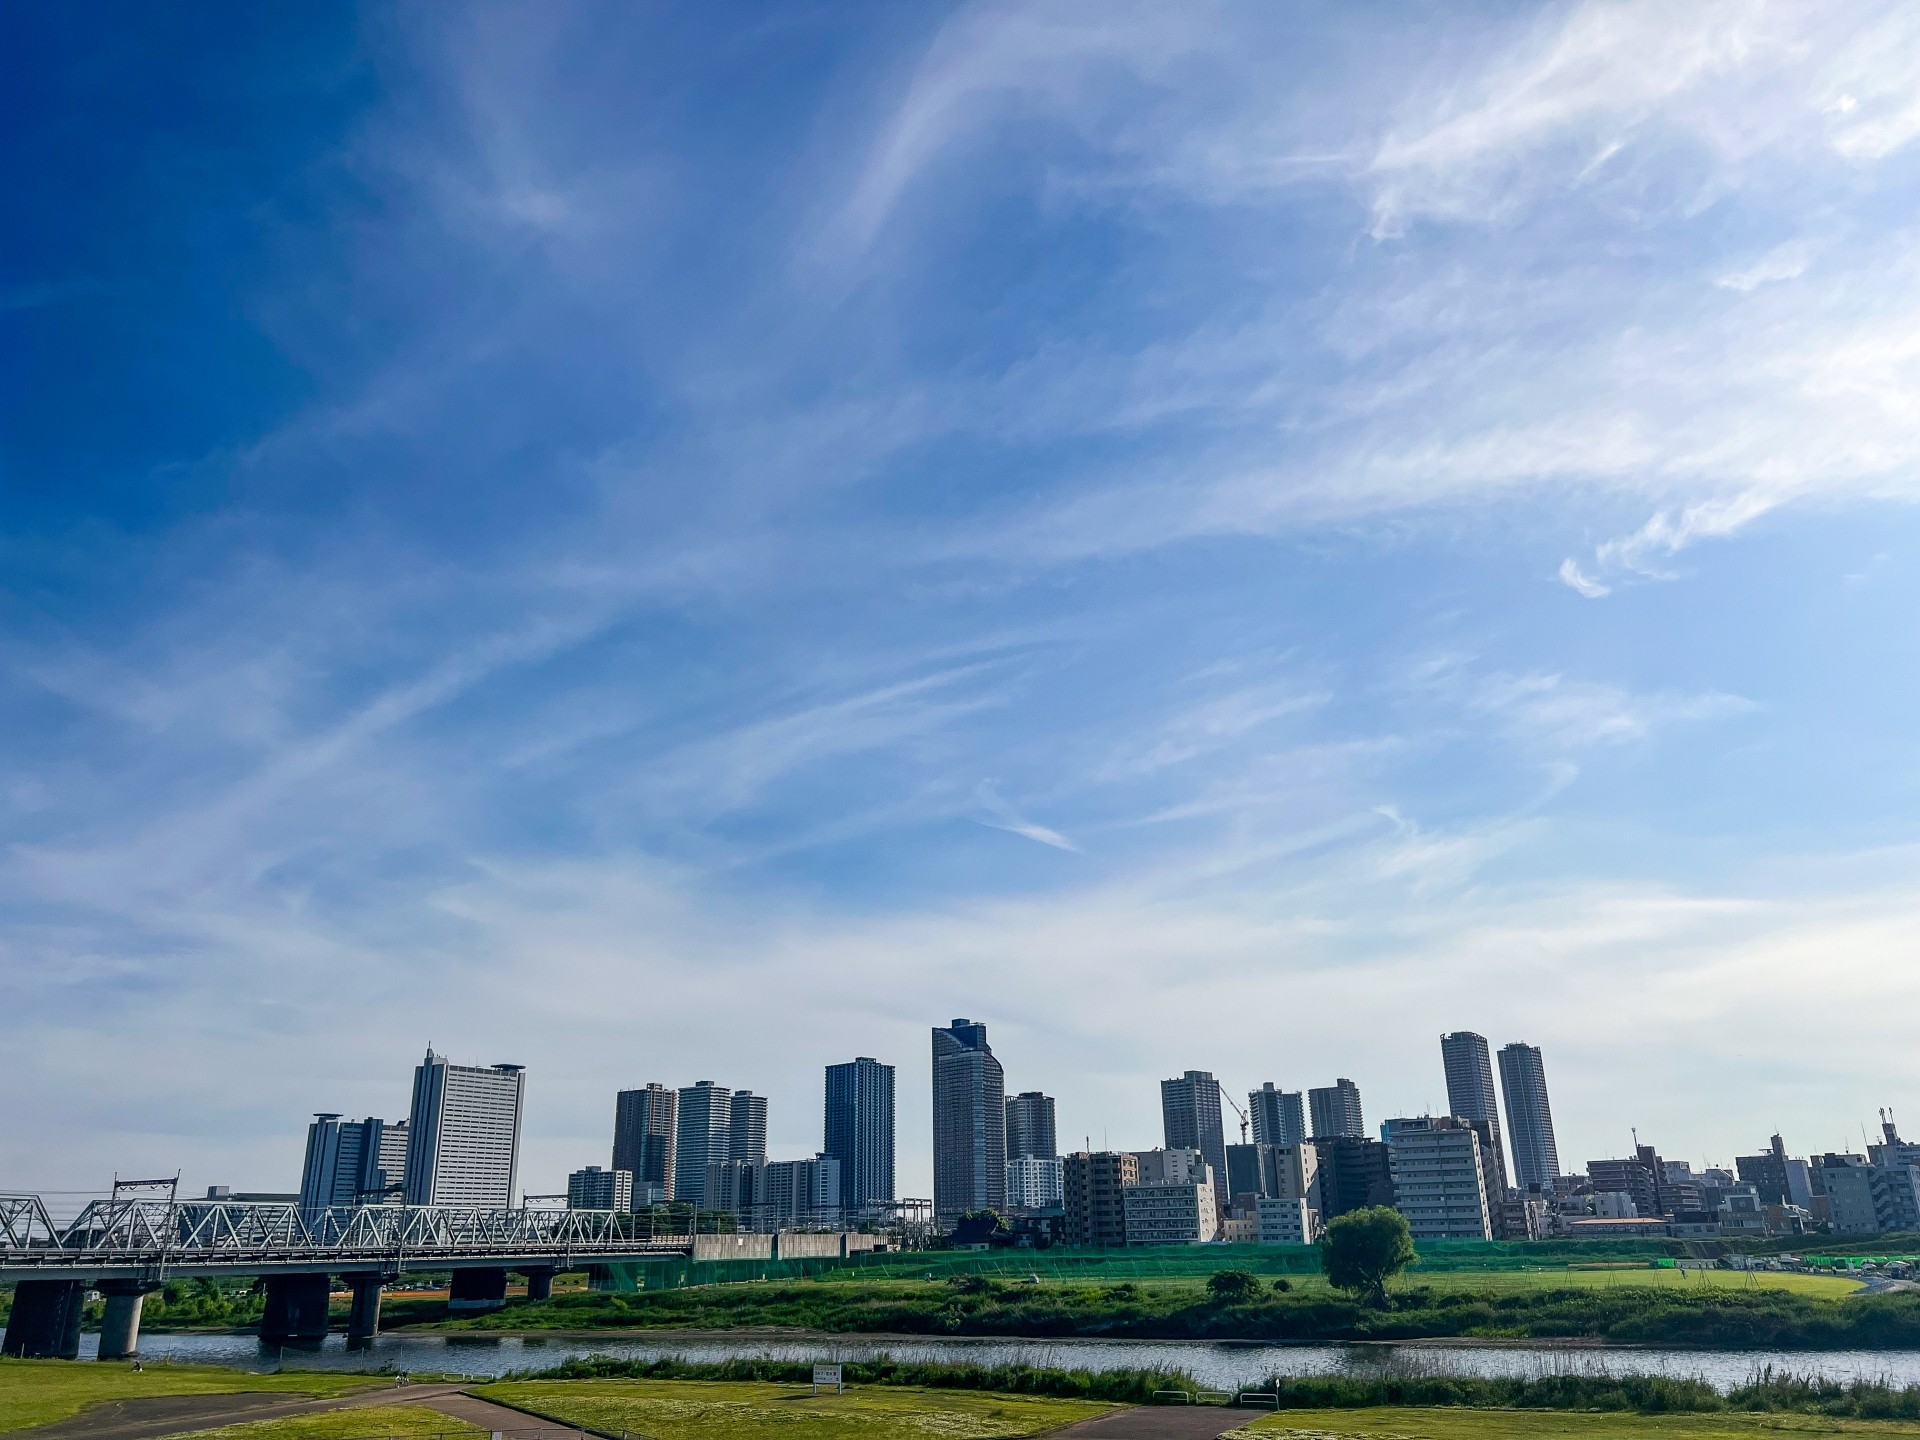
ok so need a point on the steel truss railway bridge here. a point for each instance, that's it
(127, 1248)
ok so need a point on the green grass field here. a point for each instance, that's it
(371, 1422)
(721, 1410)
(1459, 1423)
(37, 1392)
(1501, 1282)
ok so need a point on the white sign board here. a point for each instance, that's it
(828, 1375)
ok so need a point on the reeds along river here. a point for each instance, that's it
(1227, 1366)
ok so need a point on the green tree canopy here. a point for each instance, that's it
(1363, 1249)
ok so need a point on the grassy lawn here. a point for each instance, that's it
(372, 1422)
(708, 1410)
(1459, 1423)
(36, 1392)
(1818, 1287)
(1503, 1282)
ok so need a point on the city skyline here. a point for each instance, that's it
(334, 1149)
(799, 523)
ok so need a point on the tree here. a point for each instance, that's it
(1230, 1287)
(1363, 1249)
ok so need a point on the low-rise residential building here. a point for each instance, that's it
(1742, 1212)
(1868, 1199)
(1091, 1185)
(1580, 1228)
(1523, 1215)
(1240, 1230)
(1439, 1178)
(1174, 1213)
(1633, 1178)
(1035, 1183)
(1286, 1222)
(1178, 1166)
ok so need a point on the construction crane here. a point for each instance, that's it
(1238, 1111)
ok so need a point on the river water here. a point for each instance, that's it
(1226, 1366)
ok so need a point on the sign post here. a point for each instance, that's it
(829, 1375)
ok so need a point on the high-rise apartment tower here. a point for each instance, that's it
(1536, 1158)
(1279, 1116)
(1190, 1118)
(702, 1136)
(859, 1132)
(1335, 1110)
(747, 1128)
(1030, 1127)
(463, 1135)
(643, 1139)
(1470, 1092)
(969, 1123)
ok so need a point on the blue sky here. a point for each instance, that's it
(697, 544)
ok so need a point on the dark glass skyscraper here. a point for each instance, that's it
(1470, 1092)
(859, 1131)
(345, 1162)
(1030, 1126)
(1536, 1158)
(1190, 1118)
(969, 1123)
(643, 1125)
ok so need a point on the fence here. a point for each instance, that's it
(1098, 1266)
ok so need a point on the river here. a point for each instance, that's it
(1226, 1366)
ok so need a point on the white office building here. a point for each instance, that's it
(463, 1136)
(1034, 1183)
(1439, 1181)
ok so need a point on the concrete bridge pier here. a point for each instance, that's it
(363, 1323)
(120, 1326)
(539, 1282)
(296, 1309)
(44, 1323)
(482, 1288)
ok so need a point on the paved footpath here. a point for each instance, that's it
(1161, 1422)
(152, 1416)
(489, 1416)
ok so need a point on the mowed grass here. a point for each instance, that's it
(1818, 1287)
(731, 1410)
(1501, 1282)
(37, 1392)
(1460, 1423)
(359, 1423)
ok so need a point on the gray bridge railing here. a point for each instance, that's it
(213, 1229)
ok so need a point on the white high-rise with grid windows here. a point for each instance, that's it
(463, 1136)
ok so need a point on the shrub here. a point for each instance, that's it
(1232, 1286)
